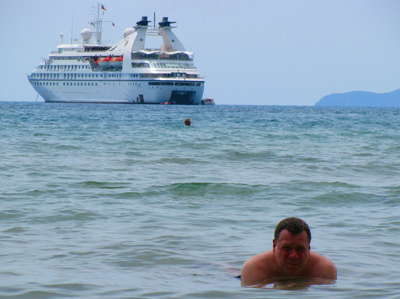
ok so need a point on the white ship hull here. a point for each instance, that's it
(125, 73)
(121, 91)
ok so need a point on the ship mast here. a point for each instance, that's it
(98, 25)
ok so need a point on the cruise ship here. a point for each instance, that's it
(127, 72)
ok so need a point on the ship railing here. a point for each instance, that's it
(58, 52)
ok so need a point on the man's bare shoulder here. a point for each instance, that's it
(321, 267)
(260, 258)
(258, 268)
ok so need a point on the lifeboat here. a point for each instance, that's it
(116, 62)
(104, 62)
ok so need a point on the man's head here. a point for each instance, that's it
(294, 226)
(187, 122)
(291, 246)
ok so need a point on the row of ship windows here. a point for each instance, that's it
(143, 56)
(95, 83)
(163, 65)
(72, 68)
(177, 83)
(173, 66)
(66, 76)
(67, 57)
(79, 83)
(63, 67)
(53, 76)
(66, 83)
(74, 76)
(170, 75)
(76, 83)
(133, 56)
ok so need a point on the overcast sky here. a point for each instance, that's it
(256, 52)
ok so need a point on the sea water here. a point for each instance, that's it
(125, 201)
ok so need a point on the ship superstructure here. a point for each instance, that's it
(127, 72)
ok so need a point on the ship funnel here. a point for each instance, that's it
(170, 42)
(165, 22)
(143, 22)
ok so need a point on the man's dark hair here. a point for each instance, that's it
(294, 226)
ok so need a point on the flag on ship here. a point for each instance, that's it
(102, 7)
(113, 24)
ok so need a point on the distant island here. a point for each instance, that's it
(361, 99)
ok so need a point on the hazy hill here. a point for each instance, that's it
(361, 99)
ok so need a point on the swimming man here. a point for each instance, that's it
(290, 257)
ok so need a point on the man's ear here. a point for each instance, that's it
(273, 245)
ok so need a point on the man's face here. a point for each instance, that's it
(291, 252)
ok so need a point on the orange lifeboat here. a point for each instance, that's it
(116, 62)
(104, 62)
